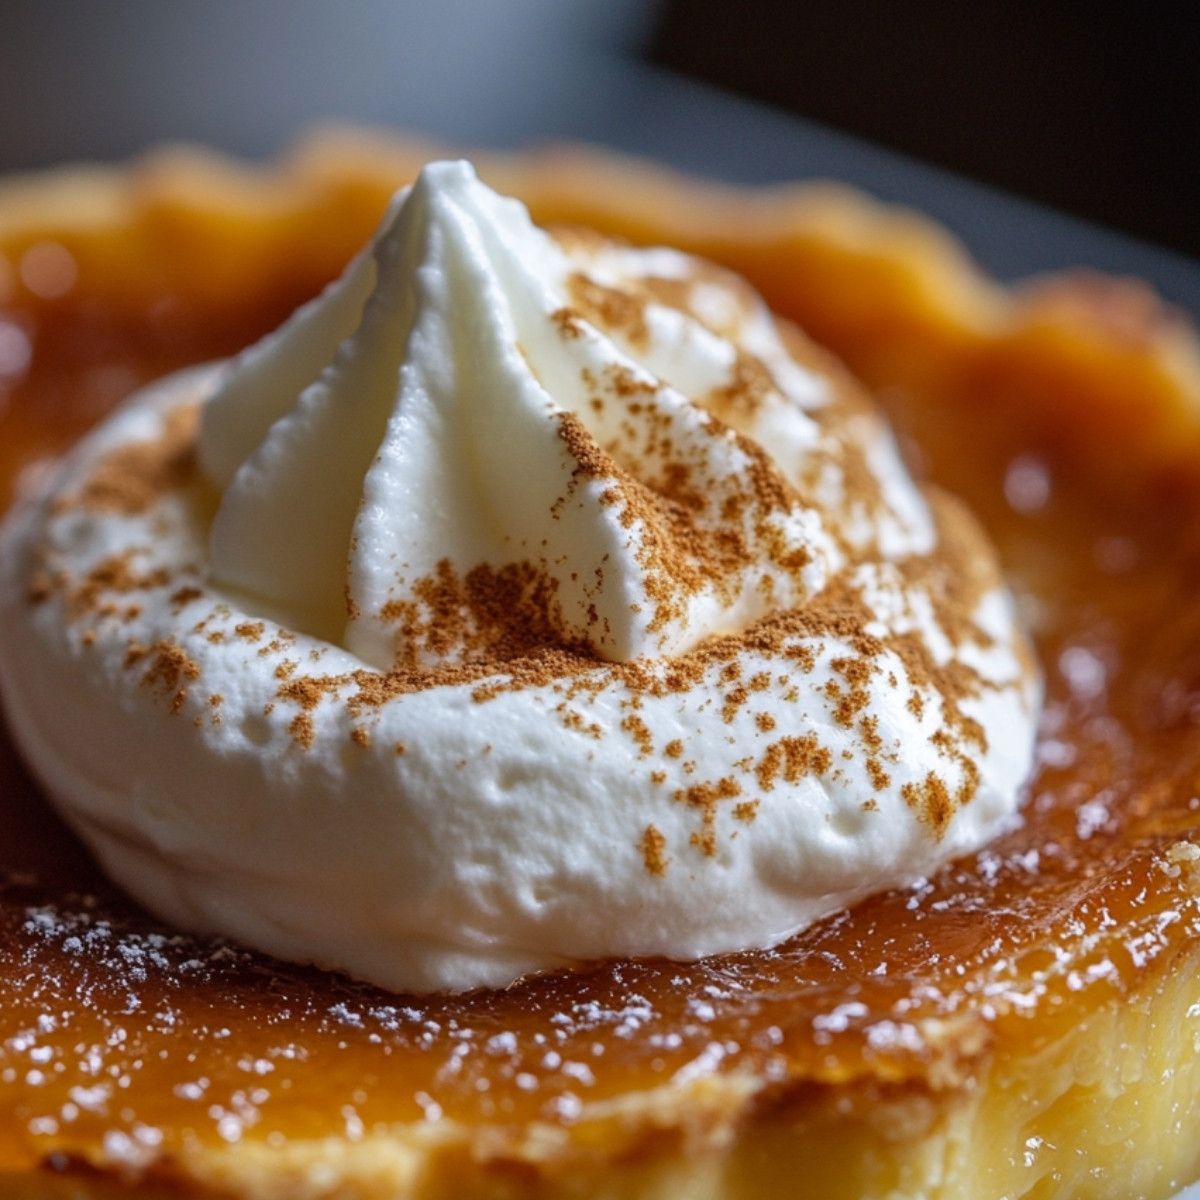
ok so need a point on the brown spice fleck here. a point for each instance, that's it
(931, 801)
(654, 851)
(880, 779)
(740, 399)
(615, 310)
(170, 669)
(115, 573)
(185, 595)
(302, 730)
(733, 702)
(490, 615)
(131, 479)
(640, 732)
(857, 672)
(868, 728)
(706, 797)
(803, 655)
(792, 758)
(570, 322)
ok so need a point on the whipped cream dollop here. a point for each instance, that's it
(526, 599)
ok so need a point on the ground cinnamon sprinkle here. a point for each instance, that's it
(931, 801)
(880, 779)
(573, 719)
(868, 728)
(170, 669)
(114, 575)
(591, 461)
(672, 293)
(792, 758)
(490, 615)
(308, 691)
(639, 731)
(732, 703)
(303, 730)
(838, 613)
(858, 674)
(616, 310)
(569, 322)
(749, 384)
(707, 797)
(747, 810)
(654, 851)
(132, 478)
(185, 595)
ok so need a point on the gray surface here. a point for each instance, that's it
(105, 78)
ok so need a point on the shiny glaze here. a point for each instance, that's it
(118, 1035)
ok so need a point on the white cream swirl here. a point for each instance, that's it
(558, 604)
(503, 402)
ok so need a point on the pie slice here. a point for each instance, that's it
(1024, 1023)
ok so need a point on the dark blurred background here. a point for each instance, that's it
(1086, 109)
(1091, 108)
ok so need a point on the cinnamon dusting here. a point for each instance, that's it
(707, 798)
(615, 310)
(792, 758)
(128, 481)
(169, 669)
(654, 850)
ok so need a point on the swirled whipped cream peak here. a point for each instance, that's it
(506, 404)
(526, 599)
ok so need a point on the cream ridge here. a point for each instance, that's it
(526, 599)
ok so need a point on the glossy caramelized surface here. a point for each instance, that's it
(121, 1039)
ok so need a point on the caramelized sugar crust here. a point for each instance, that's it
(1069, 420)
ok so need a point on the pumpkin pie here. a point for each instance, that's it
(1021, 1023)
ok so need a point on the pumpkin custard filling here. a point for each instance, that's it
(753, 878)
